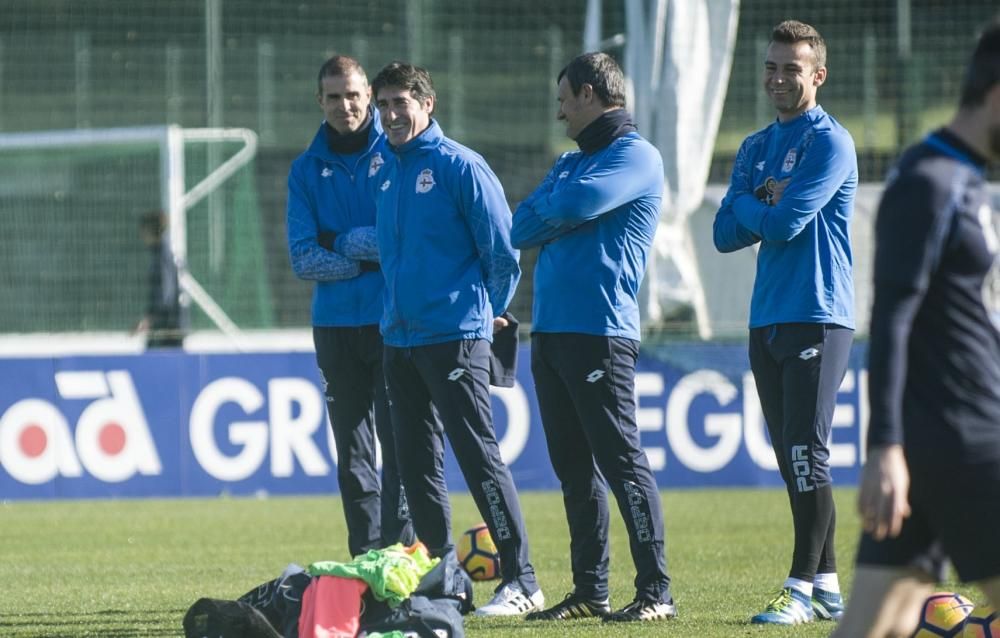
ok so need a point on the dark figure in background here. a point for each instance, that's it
(161, 324)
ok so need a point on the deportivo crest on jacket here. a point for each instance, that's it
(375, 164)
(789, 163)
(425, 180)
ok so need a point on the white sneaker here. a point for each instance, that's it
(510, 600)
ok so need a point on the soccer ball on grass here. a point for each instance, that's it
(943, 615)
(983, 622)
(478, 554)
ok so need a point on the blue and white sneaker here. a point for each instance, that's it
(827, 605)
(788, 607)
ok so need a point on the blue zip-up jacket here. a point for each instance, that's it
(443, 232)
(804, 262)
(328, 192)
(594, 217)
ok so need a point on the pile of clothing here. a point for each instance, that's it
(397, 592)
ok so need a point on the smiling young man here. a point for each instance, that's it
(594, 216)
(444, 238)
(331, 219)
(792, 190)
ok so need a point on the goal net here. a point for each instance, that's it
(76, 255)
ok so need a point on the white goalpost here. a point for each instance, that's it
(176, 198)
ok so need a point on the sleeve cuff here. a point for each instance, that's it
(877, 437)
(746, 208)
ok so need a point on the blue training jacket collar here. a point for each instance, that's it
(430, 138)
(811, 115)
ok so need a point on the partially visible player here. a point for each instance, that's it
(931, 485)
(331, 241)
(792, 190)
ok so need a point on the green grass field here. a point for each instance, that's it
(132, 568)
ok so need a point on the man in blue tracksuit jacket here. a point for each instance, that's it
(594, 216)
(792, 190)
(331, 219)
(444, 238)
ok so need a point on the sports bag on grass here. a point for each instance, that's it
(448, 581)
(280, 600)
(419, 617)
(214, 618)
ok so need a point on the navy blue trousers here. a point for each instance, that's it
(798, 369)
(585, 387)
(443, 389)
(350, 360)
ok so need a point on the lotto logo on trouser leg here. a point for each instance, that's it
(492, 493)
(638, 507)
(801, 468)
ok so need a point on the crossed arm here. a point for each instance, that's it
(743, 219)
(621, 176)
(319, 255)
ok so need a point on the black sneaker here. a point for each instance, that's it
(643, 610)
(573, 606)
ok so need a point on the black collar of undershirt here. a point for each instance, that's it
(604, 130)
(954, 141)
(348, 143)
